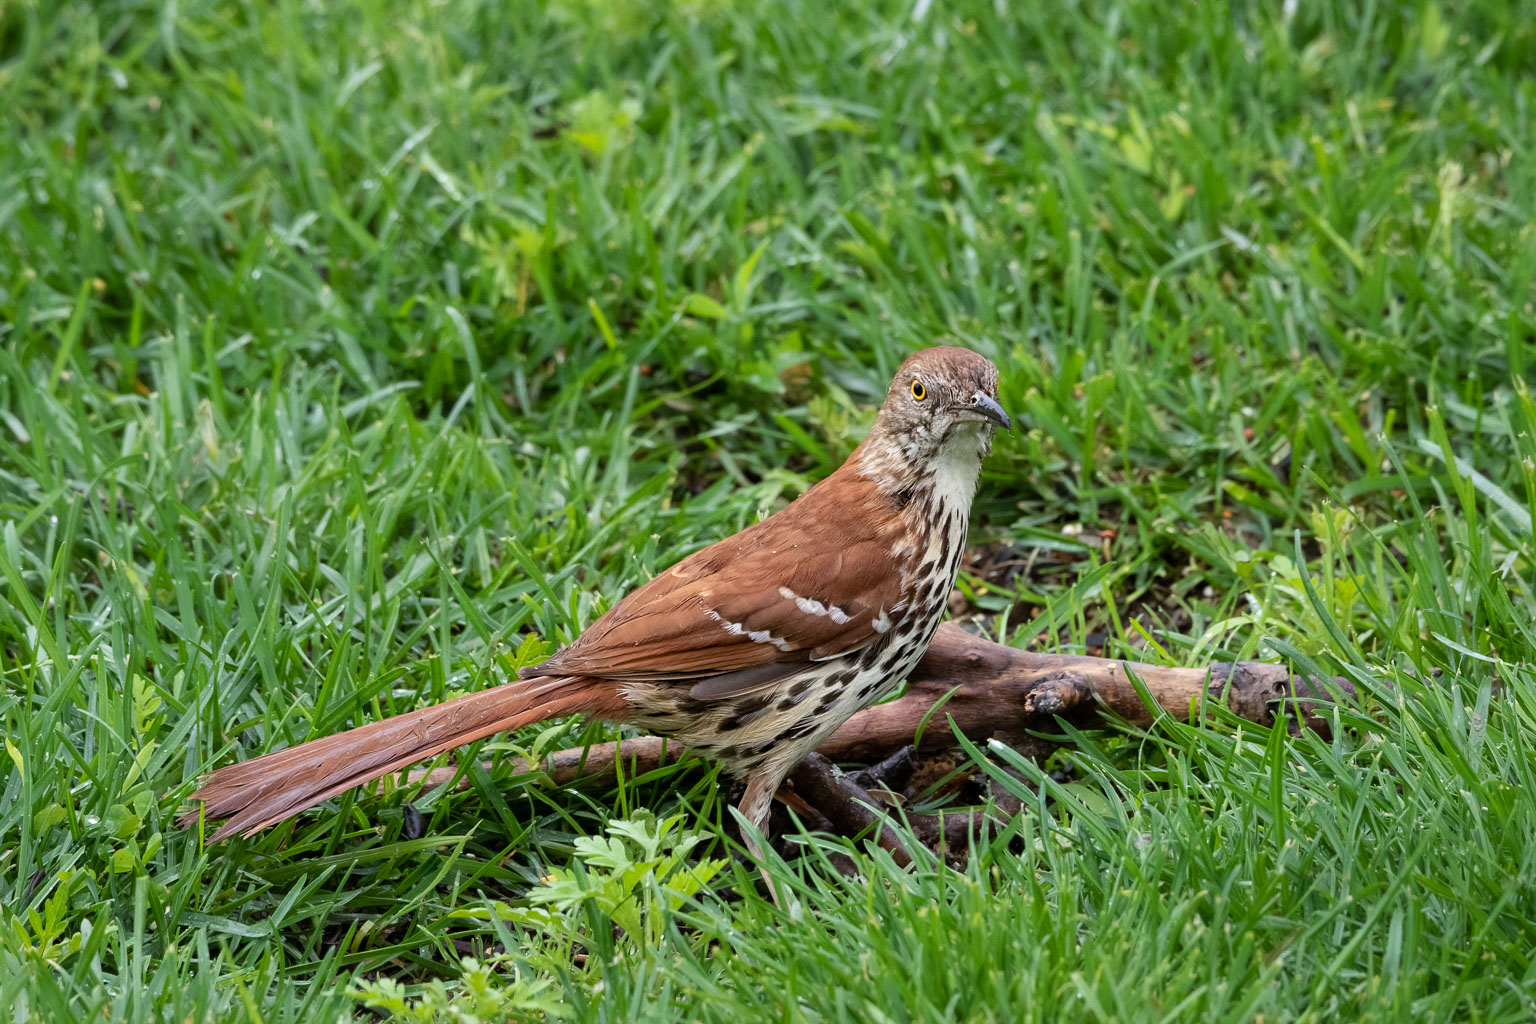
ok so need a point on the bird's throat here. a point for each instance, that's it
(956, 467)
(939, 481)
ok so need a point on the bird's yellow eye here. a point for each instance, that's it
(918, 391)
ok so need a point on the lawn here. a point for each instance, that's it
(354, 354)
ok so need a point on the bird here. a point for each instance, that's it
(750, 651)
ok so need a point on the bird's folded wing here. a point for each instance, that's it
(744, 612)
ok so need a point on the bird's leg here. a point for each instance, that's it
(755, 806)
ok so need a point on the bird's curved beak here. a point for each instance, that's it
(984, 409)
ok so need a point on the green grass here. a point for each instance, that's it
(343, 347)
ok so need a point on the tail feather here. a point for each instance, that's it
(265, 790)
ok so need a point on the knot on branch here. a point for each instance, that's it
(1057, 694)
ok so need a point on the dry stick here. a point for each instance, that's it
(845, 803)
(1008, 694)
(851, 809)
(1004, 693)
(1014, 696)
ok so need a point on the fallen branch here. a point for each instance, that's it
(847, 805)
(850, 807)
(1003, 693)
(1009, 694)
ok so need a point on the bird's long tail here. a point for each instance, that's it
(265, 790)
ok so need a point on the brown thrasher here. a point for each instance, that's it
(752, 650)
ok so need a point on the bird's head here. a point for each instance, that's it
(942, 398)
(936, 422)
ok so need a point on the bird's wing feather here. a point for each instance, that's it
(775, 596)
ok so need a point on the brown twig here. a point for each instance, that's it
(1009, 694)
(847, 805)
